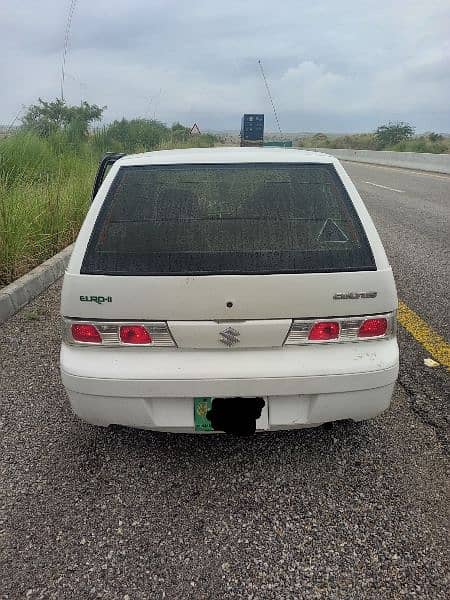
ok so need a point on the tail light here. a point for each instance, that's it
(154, 333)
(85, 333)
(349, 329)
(134, 334)
(324, 330)
(373, 328)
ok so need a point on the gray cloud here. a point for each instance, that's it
(332, 66)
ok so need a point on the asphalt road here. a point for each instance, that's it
(356, 511)
(414, 224)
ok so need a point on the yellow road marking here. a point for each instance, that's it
(408, 171)
(436, 345)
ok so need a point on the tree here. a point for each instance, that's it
(393, 133)
(179, 132)
(47, 117)
(320, 140)
(135, 135)
(435, 137)
(179, 127)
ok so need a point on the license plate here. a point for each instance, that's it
(201, 407)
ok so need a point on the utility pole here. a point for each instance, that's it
(270, 96)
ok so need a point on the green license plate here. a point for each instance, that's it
(201, 407)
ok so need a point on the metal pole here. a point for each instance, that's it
(270, 96)
(72, 6)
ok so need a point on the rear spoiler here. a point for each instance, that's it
(106, 162)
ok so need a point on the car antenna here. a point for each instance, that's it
(270, 96)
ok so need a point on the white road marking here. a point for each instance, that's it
(385, 187)
(408, 171)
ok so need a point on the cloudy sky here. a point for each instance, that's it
(336, 66)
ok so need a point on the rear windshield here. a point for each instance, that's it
(224, 219)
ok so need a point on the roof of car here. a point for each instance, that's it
(225, 154)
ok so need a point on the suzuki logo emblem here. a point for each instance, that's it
(229, 336)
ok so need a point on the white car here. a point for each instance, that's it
(228, 289)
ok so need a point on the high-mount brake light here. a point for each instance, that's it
(324, 330)
(84, 332)
(373, 328)
(134, 334)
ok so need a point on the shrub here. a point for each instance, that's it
(318, 140)
(357, 141)
(422, 144)
(135, 135)
(46, 118)
(393, 133)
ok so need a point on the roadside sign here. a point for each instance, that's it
(279, 143)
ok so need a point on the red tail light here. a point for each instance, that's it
(373, 328)
(86, 333)
(325, 330)
(134, 334)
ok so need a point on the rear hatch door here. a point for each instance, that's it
(215, 248)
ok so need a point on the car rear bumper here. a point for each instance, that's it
(301, 386)
(280, 412)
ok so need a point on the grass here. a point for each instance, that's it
(367, 141)
(45, 187)
(44, 194)
(422, 144)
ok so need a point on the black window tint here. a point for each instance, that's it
(247, 218)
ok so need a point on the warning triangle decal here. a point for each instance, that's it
(331, 232)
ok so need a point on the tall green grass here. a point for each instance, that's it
(45, 187)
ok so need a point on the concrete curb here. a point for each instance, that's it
(18, 294)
